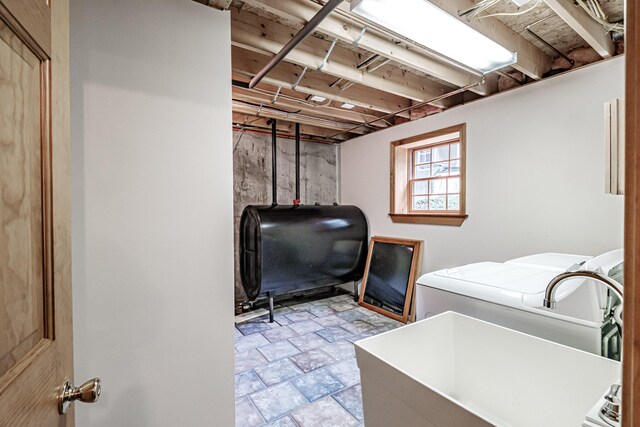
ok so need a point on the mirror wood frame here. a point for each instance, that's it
(631, 339)
(414, 271)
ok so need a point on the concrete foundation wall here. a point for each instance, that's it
(252, 177)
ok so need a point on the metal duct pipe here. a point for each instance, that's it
(274, 167)
(297, 163)
(304, 32)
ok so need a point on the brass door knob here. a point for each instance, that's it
(88, 392)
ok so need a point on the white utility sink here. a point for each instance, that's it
(453, 370)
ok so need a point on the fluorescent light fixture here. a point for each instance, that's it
(317, 98)
(521, 3)
(347, 106)
(433, 28)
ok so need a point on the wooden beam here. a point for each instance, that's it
(216, 4)
(586, 27)
(532, 61)
(296, 96)
(343, 28)
(273, 113)
(267, 37)
(301, 105)
(314, 83)
(308, 132)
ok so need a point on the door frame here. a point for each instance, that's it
(631, 329)
(61, 194)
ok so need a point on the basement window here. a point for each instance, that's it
(428, 178)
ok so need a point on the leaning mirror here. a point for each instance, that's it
(390, 273)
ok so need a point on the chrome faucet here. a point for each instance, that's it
(549, 295)
(610, 411)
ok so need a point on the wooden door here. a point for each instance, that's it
(35, 256)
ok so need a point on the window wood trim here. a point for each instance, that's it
(434, 219)
(400, 165)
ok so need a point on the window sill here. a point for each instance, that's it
(434, 219)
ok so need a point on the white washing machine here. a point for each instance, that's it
(510, 294)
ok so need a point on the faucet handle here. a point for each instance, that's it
(612, 404)
(612, 396)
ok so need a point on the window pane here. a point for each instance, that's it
(438, 203)
(454, 185)
(440, 169)
(438, 186)
(423, 156)
(441, 153)
(455, 150)
(421, 187)
(420, 203)
(454, 203)
(455, 167)
(422, 171)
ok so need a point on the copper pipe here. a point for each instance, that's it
(418, 105)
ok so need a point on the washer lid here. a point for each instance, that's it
(516, 286)
(550, 261)
(494, 278)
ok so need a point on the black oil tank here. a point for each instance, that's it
(288, 249)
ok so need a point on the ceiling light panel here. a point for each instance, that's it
(521, 3)
(433, 28)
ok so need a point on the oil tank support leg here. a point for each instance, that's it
(270, 296)
(355, 291)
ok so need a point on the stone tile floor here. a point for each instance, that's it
(301, 371)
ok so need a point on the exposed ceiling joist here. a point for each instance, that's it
(294, 117)
(216, 4)
(314, 83)
(250, 122)
(531, 61)
(587, 28)
(346, 30)
(348, 60)
(257, 96)
(261, 35)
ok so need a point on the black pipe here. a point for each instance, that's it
(298, 162)
(549, 45)
(239, 83)
(271, 313)
(543, 41)
(274, 167)
(304, 32)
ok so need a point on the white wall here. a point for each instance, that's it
(152, 211)
(535, 173)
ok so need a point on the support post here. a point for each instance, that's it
(271, 313)
(274, 166)
(297, 163)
